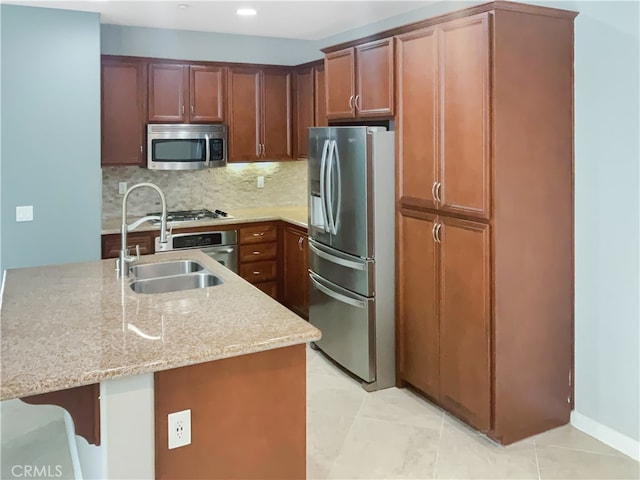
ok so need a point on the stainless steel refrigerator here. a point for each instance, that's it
(351, 249)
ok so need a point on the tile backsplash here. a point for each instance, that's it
(225, 188)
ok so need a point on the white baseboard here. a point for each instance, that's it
(614, 439)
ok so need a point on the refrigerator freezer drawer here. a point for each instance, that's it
(347, 324)
(348, 271)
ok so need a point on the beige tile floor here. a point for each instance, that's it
(394, 433)
(388, 434)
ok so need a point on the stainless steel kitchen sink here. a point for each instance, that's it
(165, 269)
(175, 283)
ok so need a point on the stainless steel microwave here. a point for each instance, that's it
(186, 146)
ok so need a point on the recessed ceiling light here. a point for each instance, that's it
(246, 11)
(183, 6)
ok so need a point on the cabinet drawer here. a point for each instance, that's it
(111, 244)
(258, 252)
(259, 271)
(258, 234)
(270, 288)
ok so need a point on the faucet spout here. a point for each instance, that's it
(122, 264)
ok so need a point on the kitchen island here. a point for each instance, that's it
(229, 353)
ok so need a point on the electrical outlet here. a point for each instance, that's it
(260, 182)
(179, 424)
(122, 188)
(24, 214)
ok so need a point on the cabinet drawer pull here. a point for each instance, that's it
(438, 190)
(182, 109)
(256, 253)
(433, 191)
(439, 227)
(261, 234)
(433, 232)
(358, 104)
(300, 241)
(257, 273)
(351, 103)
(193, 109)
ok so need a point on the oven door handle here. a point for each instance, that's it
(207, 160)
(216, 250)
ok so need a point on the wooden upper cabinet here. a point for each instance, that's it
(259, 105)
(303, 109)
(465, 319)
(340, 83)
(417, 132)
(359, 81)
(186, 93)
(374, 85)
(465, 122)
(167, 85)
(320, 97)
(417, 302)
(276, 114)
(244, 114)
(206, 93)
(123, 112)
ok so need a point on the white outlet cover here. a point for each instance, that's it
(179, 427)
(122, 188)
(24, 213)
(260, 182)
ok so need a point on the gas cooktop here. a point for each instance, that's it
(191, 215)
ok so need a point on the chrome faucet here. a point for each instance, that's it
(122, 263)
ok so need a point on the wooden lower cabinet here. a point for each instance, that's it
(258, 259)
(444, 312)
(248, 417)
(111, 243)
(295, 280)
(464, 312)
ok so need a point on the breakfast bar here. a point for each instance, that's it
(228, 353)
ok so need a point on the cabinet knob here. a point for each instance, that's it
(300, 242)
(182, 109)
(438, 190)
(351, 102)
(140, 148)
(256, 253)
(256, 273)
(193, 109)
(358, 104)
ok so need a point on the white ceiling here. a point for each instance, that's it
(307, 20)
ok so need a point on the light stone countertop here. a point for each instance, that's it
(294, 215)
(64, 326)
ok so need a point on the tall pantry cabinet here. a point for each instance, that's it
(485, 215)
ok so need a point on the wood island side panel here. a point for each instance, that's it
(248, 417)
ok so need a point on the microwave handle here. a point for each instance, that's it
(207, 160)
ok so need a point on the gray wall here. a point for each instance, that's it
(50, 135)
(205, 46)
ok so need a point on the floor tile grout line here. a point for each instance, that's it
(535, 450)
(582, 450)
(435, 463)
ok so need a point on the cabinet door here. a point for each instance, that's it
(303, 110)
(416, 59)
(340, 83)
(295, 280)
(464, 101)
(320, 90)
(465, 309)
(276, 114)
(123, 112)
(206, 94)
(167, 87)
(244, 114)
(374, 93)
(111, 243)
(418, 302)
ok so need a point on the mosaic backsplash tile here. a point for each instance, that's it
(225, 188)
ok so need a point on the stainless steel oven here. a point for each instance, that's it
(222, 246)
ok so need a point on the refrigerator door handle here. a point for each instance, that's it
(337, 296)
(323, 187)
(336, 260)
(329, 188)
(336, 217)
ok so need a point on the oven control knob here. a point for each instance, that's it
(221, 213)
